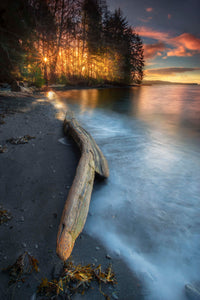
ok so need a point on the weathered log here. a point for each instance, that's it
(77, 204)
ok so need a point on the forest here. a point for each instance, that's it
(68, 42)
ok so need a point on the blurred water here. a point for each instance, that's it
(148, 211)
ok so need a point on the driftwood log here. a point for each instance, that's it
(77, 204)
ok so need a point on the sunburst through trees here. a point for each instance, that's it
(72, 41)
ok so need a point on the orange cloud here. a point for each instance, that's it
(170, 71)
(180, 51)
(184, 45)
(189, 41)
(149, 9)
(152, 50)
(151, 33)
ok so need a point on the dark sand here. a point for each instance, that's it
(34, 182)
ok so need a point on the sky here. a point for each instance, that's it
(170, 31)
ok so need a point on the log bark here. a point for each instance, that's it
(76, 208)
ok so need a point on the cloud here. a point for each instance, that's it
(149, 9)
(189, 41)
(179, 51)
(184, 45)
(152, 50)
(170, 71)
(145, 20)
(151, 33)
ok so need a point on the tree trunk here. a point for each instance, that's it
(77, 205)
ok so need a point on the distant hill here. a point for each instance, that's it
(150, 82)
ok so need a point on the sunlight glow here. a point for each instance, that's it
(50, 95)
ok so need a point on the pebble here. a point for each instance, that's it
(36, 246)
(97, 248)
(61, 193)
(114, 296)
(22, 219)
(24, 245)
(51, 226)
(108, 256)
(5, 257)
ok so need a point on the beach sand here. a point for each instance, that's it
(34, 182)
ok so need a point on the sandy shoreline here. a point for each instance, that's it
(34, 182)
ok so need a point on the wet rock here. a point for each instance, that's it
(193, 291)
(15, 87)
(21, 83)
(97, 248)
(108, 256)
(33, 297)
(24, 245)
(36, 246)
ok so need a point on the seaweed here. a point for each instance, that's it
(24, 265)
(20, 140)
(76, 279)
(3, 148)
(5, 216)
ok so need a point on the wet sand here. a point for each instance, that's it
(34, 182)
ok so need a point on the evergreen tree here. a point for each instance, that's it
(16, 25)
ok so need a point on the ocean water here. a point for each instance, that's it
(148, 211)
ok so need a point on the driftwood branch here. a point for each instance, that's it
(77, 204)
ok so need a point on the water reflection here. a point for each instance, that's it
(171, 108)
(115, 99)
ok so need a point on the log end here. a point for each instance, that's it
(65, 244)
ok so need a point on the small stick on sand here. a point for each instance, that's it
(77, 204)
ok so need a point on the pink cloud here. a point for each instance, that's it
(179, 51)
(145, 20)
(189, 41)
(184, 45)
(152, 50)
(149, 9)
(151, 33)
